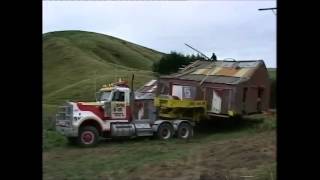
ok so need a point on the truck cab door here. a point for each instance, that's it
(118, 105)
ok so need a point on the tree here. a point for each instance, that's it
(171, 63)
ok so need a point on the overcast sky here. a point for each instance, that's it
(231, 29)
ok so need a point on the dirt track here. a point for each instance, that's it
(227, 159)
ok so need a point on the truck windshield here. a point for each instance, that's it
(105, 96)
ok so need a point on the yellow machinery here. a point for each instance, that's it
(180, 109)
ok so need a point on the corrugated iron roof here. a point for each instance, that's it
(213, 79)
(147, 91)
(225, 72)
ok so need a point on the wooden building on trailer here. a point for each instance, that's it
(230, 87)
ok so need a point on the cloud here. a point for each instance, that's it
(229, 28)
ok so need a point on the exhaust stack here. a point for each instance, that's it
(132, 98)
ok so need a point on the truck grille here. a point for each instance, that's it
(64, 113)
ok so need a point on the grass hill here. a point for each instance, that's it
(272, 73)
(72, 60)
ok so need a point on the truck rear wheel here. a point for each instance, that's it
(165, 131)
(88, 136)
(185, 131)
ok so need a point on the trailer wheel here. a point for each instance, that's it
(185, 131)
(88, 136)
(165, 131)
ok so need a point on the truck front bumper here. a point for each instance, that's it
(67, 131)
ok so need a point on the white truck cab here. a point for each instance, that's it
(116, 113)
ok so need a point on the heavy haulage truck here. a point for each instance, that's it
(170, 106)
(119, 112)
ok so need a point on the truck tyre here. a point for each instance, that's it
(88, 136)
(165, 131)
(185, 131)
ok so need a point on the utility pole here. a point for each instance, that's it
(268, 9)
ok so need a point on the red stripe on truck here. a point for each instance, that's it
(97, 110)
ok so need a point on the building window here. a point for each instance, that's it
(184, 92)
(118, 96)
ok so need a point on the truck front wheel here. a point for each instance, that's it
(185, 131)
(88, 136)
(165, 131)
